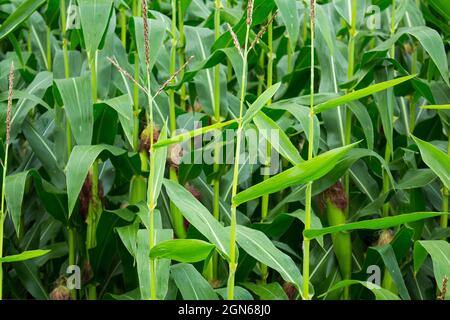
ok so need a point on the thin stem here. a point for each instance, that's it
(393, 13)
(71, 244)
(177, 218)
(2, 216)
(136, 110)
(181, 55)
(289, 55)
(387, 157)
(387, 154)
(66, 68)
(49, 49)
(94, 203)
(217, 119)
(151, 196)
(123, 27)
(265, 198)
(306, 241)
(445, 195)
(233, 262)
(70, 231)
(350, 72)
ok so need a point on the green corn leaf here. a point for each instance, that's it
(430, 40)
(37, 88)
(281, 142)
(262, 100)
(159, 157)
(143, 263)
(373, 224)
(356, 95)
(380, 293)
(441, 6)
(304, 172)
(290, 17)
(437, 107)
(81, 159)
(239, 293)
(438, 161)
(76, 94)
(156, 35)
(198, 216)
(439, 251)
(256, 244)
(20, 14)
(269, 291)
(19, 94)
(14, 192)
(128, 235)
(191, 283)
(123, 106)
(301, 113)
(182, 250)
(94, 18)
(191, 134)
(390, 261)
(26, 255)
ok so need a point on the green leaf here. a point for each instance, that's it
(215, 58)
(19, 15)
(269, 291)
(159, 156)
(76, 94)
(37, 88)
(198, 216)
(390, 261)
(380, 293)
(81, 159)
(239, 293)
(191, 134)
(374, 224)
(52, 199)
(280, 142)
(256, 244)
(191, 283)
(28, 274)
(143, 264)
(94, 18)
(26, 255)
(260, 103)
(14, 192)
(156, 36)
(315, 221)
(438, 161)
(289, 15)
(437, 107)
(304, 172)
(182, 250)
(441, 6)
(356, 95)
(301, 113)
(19, 94)
(44, 149)
(128, 235)
(439, 250)
(124, 108)
(361, 113)
(416, 178)
(430, 40)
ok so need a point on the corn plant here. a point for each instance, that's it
(236, 150)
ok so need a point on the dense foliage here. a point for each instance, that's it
(107, 119)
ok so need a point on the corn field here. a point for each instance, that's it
(225, 149)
